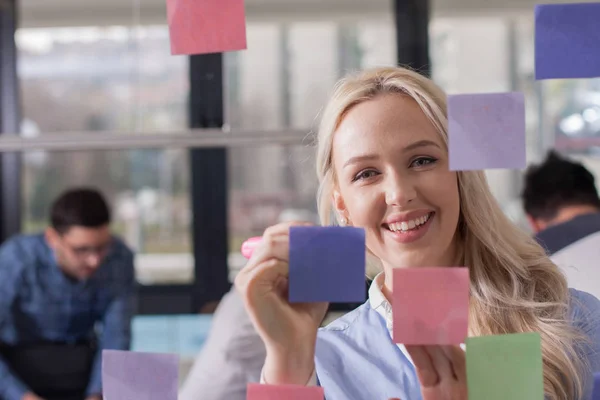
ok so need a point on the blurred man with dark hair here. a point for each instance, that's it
(65, 295)
(563, 209)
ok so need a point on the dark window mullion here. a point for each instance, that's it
(412, 34)
(10, 116)
(208, 183)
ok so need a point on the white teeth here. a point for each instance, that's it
(408, 225)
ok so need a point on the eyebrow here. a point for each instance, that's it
(420, 143)
(371, 157)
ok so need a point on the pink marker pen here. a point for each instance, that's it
(249, 245)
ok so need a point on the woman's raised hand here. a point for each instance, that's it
(289, 331)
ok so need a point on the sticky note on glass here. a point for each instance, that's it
(567, 41)
(287, 392)
(486, 131)
(596, 392)
(128, 375)
(505, 367)
(430, 305)
(327, 264)
(206, 26)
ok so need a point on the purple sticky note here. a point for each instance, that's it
(128, 375)
(567, 41)
(327, 264)
(486, 131)
(596, 393)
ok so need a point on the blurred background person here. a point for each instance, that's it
(56, 288)
(562, 207)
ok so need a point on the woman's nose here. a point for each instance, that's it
(399, 192)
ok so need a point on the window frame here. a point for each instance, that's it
(208, 189)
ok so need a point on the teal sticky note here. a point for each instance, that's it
(505, 367)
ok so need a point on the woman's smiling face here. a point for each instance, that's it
(392, 179)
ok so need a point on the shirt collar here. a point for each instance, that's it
(378, 302)
(382, 306)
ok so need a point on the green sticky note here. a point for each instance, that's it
(505, 367)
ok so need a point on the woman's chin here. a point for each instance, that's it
(407, 262)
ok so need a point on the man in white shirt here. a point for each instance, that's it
(563, 209)
(232, 355)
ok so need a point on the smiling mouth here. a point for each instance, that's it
(409, 226)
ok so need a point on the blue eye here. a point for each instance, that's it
(423, 161)
(366, 174)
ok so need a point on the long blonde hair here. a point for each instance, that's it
(514, 286)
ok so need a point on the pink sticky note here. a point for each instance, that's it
(206, 26)
(430, 305)
(287, 392)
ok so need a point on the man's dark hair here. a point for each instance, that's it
(79, 207)
(557, 183)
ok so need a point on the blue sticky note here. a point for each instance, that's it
(128, 375)
(486, 131)
(596, 393)
(327, 264)
(567, 41)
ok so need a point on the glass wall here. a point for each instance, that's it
(282, 81)
(464, 61)
(123, 79)
(118, 79)
(477, 49)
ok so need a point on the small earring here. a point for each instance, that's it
(343, 221)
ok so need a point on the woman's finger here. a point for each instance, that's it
(283, 228)
(424, 366)
(441, 363)
(273, 248)
(270, 247)
(274, 243)
(269, 273)
(458, 361)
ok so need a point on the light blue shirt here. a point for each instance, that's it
(356, 358)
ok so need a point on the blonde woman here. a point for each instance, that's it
(382, 163)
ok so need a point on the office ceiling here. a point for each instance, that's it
(44, 13)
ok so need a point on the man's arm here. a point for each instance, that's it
(231, 357)
(116, 323)
(11, 268)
